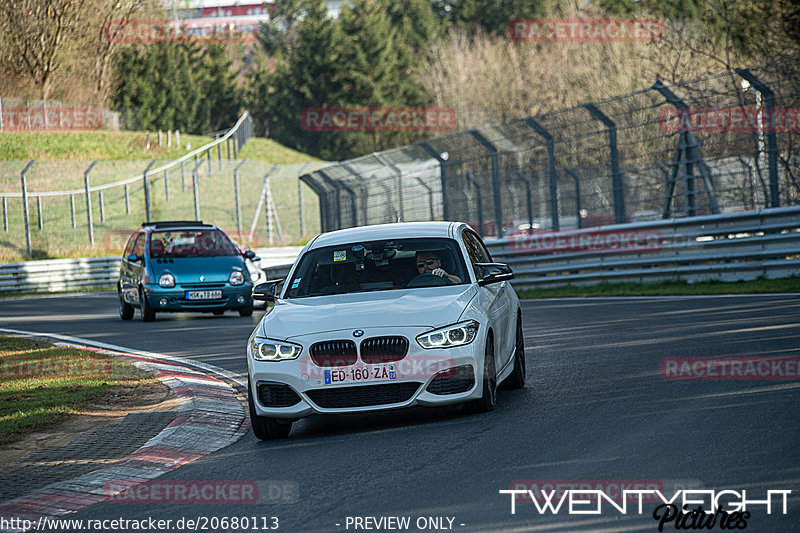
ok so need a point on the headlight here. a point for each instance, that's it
(166, 280)
(459, 334)
(236, 278)
(270, 350)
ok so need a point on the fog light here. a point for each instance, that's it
(163, 302)
(241, 299)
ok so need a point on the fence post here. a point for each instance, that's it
(616, 178)
(89, 202)
(127, 201)
(399, 173)
(228, 147)
(687, 144)
(219, 156)
(577, 195)
(166, 186)
(468, 177)
(39, 212)
(443, 174)
(25, 206)
(352, 193)
(147, 190)
(498, 202)
(72, 210)
(236, 193)
(5, 214)
(178, 138)
(300, 197)
(195, 187)
(551, 169)
(183, 178)
(268, 208)
(338, 199)
(1, 117)
(102, 207)
(521, 176)
(208, 155)
(772, 141)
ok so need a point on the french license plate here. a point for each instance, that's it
(203, 295)
(360, 374)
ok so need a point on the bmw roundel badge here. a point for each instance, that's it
(358, 333)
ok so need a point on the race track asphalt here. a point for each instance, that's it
(596, 408)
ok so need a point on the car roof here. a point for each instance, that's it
(400, 230)
(176, 224)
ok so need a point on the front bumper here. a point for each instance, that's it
(299, 387)
(176, 298)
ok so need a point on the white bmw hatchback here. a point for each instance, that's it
(384, 317)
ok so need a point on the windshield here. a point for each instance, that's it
(191, 243)
(378, 266)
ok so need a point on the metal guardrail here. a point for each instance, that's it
(59, 275)
(731, 247)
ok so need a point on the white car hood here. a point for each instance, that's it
(422, 307)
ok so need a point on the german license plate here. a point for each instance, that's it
(203, 295)
(360, 374)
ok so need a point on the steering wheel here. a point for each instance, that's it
(428, 280)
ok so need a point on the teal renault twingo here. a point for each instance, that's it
(183, 266)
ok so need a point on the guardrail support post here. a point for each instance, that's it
(772, 139)
(300, 197)
(88, 194)
(443, 174)
(236, 194)
(616, 177)
(551, 169)
(146, 183)
(468, 177)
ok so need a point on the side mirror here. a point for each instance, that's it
(251, 255)
(134, 258)
(267, 291)
(494, 273)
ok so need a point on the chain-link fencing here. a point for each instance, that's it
(728, 142)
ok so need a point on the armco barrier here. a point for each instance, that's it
(59, 275)
(729, 247)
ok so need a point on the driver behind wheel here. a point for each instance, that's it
(430, 263)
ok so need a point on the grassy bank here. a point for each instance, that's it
(668, 288)
(41, 384)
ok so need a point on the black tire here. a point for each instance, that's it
(246, 310)
(148, 313)
(125, 309)
(265, 428)
(218, 312)
(488, 398)
(517, 378)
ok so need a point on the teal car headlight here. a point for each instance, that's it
(459, 334)
(236, 278)
(272, 350)
(166, 280)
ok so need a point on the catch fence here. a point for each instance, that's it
(725, 143)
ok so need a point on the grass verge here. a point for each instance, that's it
(668, 288)
(41, 384)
